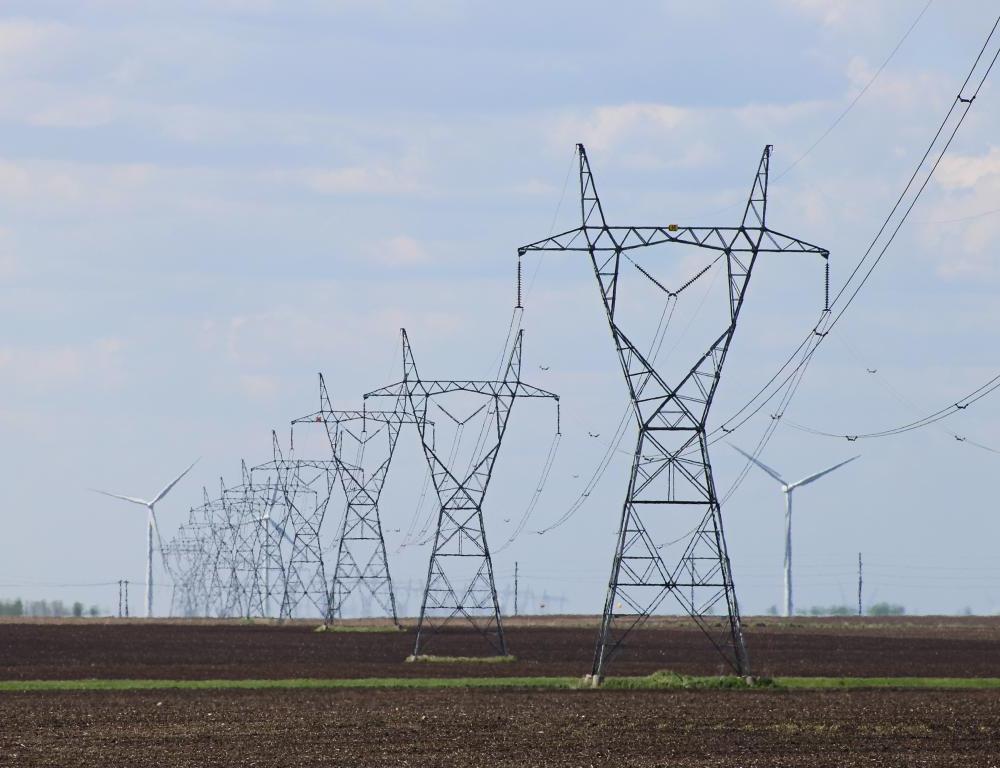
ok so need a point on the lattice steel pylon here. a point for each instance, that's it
(671, 473)
(223, 580)
(186, 557)
(242, 512)
(362, 563)
(460, 550)
(298, 507)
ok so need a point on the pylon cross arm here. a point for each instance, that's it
(626, 238)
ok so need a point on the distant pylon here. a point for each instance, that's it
(671, 478)
(362, 466)
(460, 578)
(298, 505)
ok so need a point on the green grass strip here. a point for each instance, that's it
(825, 683)
(294, 683)
(656, 681)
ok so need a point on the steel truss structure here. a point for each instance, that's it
(460, 546)
(671, 473)
(221, 571)
(299, 494)
(186, 558)
(362, 565)
(244, 508)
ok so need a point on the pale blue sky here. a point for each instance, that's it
(202, 204)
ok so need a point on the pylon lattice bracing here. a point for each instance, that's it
(671, 475)
(460, 580)
(362, 566)
(296, 509)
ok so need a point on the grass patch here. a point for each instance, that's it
(550, 683)
(425, 659)
(390, 628)
(671, 680)
(655, 681)
(825, 683)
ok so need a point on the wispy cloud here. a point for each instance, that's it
(399, 251)
(96, 362)
(375, 179)
(965, 171)
(24, 42)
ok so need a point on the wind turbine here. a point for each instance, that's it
(150, 528)
(787, 489)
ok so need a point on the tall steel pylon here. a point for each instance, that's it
(186, 560)
(302, 494)
(460, 572)
(671, 475)
(245, 505)
(362, 564)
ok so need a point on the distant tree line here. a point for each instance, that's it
(878, 609)
(54, 609)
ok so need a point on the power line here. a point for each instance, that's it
(807, 348)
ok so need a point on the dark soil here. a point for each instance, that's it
(925, 647)
(470, 728)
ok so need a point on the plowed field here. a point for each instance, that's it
(466, 728)
(924, 647)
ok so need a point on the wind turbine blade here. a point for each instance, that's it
(760, 464)
(176, 480)
(818, 475)
(133, 499)
(282, 532)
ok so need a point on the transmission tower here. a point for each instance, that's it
(671, 476)
(460, 573)
(221, 571)
(298, 506)
(186, 557)
(361, 563)
(245, 589)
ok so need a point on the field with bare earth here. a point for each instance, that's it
(464, 728)
(561, 646)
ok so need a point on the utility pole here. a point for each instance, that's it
(859, 583)
(119, 598)
(126, 598)
(515, 587)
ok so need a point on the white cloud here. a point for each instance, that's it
(399, 251)
(74, 111)
(8, 257)
(359, 179)
(966, 171)
(31, 181)
(24, 42)
(259, 386)
(769, 117)
(662, 136)
(609, 126)
(962, 226)
(829, 12)
(64, 365)
(925, 92)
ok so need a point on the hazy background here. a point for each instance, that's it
(202, 204)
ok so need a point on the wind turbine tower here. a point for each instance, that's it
(787, 489)
(151, 528)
